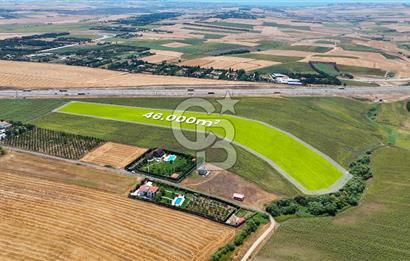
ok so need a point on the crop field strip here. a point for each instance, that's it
(292, 159)
(97, 225)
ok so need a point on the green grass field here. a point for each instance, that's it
(360, 70)
(247, 166)
(43, 28)
(197, 49)
(26, 110)
(338, 127)
(268, 57)
(326, 68)
(291, 67)
(311, 170)
(287, 26)
(377, 229)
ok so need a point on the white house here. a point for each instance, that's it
(4, 125)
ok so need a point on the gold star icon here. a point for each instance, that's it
(228, 104)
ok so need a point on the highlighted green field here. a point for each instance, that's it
(308, 169)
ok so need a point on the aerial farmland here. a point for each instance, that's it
(215, 130)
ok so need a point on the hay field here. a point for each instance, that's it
(43, 220)
(113, 154)
(40, 75)
(226, 62)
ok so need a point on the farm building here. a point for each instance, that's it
(4, 125)
(236, 221)
(238, 196)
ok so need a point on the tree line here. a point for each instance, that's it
(328, 204)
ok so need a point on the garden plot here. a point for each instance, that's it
(228, 62)
(188, 201)
(114, 155)
(165, 164)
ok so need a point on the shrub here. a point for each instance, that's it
(328, 204)
(408, 106)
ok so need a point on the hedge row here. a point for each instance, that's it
(248, 228)
(329, 204)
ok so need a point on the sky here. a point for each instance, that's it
(298, 2)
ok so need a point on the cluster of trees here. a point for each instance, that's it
(136, 65)
(233, 51)
(329, 204)
(54, 143)
(148, 18)
(19, 47)
(308, 78)
(250, 226)
(102, 55)
(18, 128)
(408, 106)
(372, 113)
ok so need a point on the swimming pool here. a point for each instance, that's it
(170, 158)
(178, 201)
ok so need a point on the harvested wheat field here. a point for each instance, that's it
(160, 56)
(46, 220)
(27, 165)
(41, 76)
(226, 62)
(113, 154)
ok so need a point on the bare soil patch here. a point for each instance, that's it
(43, 220)
(224, 184)
(113, 154)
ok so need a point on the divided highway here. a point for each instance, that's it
(161, 91)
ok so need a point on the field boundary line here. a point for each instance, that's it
(346, 176)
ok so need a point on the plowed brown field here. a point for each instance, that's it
(47, 220)
(113, 154)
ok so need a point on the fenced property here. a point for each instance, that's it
(165, 164)
(191, 202)
(55, 143)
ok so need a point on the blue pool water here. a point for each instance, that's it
(171, 158)
(178, 201)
